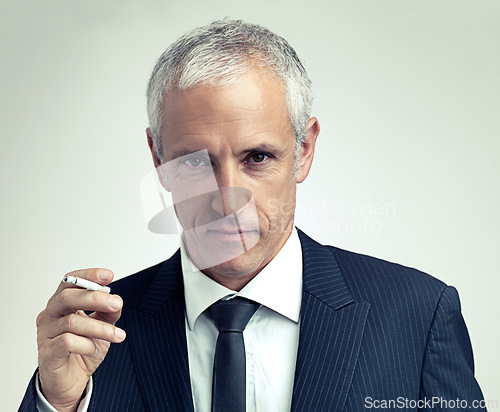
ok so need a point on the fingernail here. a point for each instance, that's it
(103, 275)
(119, 334)
(114, 302)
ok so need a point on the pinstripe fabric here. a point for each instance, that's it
(157, 346)
(369, 328)
(331, 330)
(415, 345)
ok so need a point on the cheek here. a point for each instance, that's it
(275, 200)
(194, 212)
(274, 212)
(269, 208)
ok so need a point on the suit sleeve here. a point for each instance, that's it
(29, 401)
(34, 401)
(448, 368)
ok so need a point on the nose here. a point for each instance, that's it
(227, 174)
(231, 196)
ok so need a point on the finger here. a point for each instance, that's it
(63, 345)
(109, 317)
(44, 320)
(85, 326)
(70, 300)
(97, 275)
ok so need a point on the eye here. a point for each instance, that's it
(194, 161)
(258, 157)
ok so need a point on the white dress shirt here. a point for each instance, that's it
(271, 336)
(44, 406)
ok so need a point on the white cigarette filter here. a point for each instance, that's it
(86, 284)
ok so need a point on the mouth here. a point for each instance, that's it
(232, 231)
(229, 234)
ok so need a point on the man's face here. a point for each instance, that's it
(235, 197)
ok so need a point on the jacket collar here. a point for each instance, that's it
(322, 278)
(331, 330)
(322, 275)
(332, 326)
(158, 346)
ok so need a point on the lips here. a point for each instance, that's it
(233, 225)
(229, 229)
(233, 235)
(230, 233)
(226, 232)
(228, 237)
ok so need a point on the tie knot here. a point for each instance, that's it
(232, 315)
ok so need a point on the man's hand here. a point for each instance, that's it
(72, 344)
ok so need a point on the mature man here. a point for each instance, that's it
(324, 329)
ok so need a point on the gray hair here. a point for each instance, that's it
(219, 54)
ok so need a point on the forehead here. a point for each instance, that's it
(256, 89)
(252, 106)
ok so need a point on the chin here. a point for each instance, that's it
(239, 266)
(224, 254)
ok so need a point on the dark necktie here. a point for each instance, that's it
(229, 378)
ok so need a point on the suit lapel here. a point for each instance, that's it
(331, 328)
(159, 348)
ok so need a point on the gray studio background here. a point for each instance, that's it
(406, 166)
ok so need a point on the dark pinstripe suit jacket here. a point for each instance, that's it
(370, 331)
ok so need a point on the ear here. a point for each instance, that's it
(156, 160)
(160, 170)
(306, 153)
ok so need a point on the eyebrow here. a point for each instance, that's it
(264, 147)
(185, 152)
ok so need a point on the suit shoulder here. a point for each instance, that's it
(132, 287)
(377, 278)
(129, 284)
(365, 265)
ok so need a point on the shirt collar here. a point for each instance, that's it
(278, 286)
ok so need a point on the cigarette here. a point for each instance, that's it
(86, 284)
